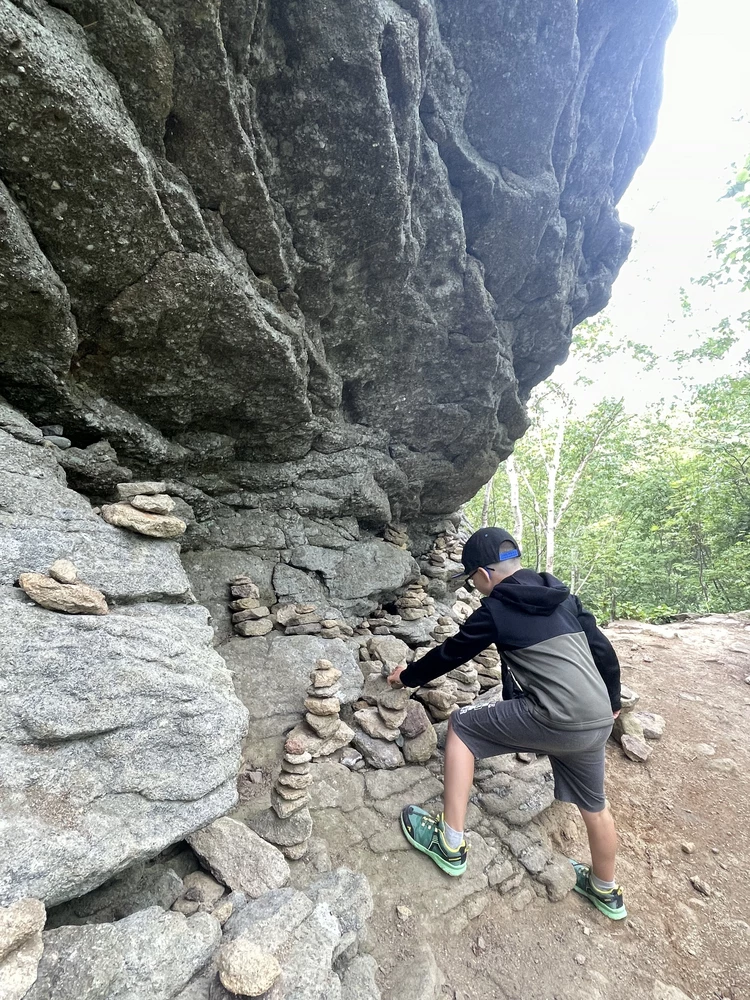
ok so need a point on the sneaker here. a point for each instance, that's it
(609, 901)
(427, 834)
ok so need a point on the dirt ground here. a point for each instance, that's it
(694, 791)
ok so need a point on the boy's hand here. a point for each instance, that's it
(394, 677)
(615, 714)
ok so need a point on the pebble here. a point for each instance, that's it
(688, 846)
(699, 885)
(403, 912)
(63, 571)
(580, 959)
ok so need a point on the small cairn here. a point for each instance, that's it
(393, 728)
(445, 628)
(489, 671)
(415, 602)
(250, 618)
(323, 731)
(288, 823)
(631, 729)
(397, 535)
(381, 622)
(63, 591)
(146, 509)
(466, 683)
(444, 558)
(306, 619)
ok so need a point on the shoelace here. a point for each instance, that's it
(431, 823)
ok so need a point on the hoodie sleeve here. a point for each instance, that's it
(477, 633)
(602, 652)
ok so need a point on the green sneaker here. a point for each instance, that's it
(610, 901)
(427, 834)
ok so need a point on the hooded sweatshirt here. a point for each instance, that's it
(552, 650)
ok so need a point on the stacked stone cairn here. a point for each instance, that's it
(444, 559)
(415, 602)
(146, 509)
(393, 728)
(288, 823)
(489, 673)
(323, 730)
(306, 619)
(250, 618)
(63, 591)
(632, 729)
(397, 535)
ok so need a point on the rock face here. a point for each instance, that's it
(150, 955)
(311, 253)
(118, 736)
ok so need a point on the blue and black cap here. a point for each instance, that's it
(483, 549)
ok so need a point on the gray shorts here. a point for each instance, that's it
(576, 755)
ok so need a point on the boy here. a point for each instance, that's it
(561, 692)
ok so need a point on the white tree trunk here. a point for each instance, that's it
(515, 498)
(553, 467)
(486, 504)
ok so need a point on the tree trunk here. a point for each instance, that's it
(515, 499)
(553, 468)
(486, 504)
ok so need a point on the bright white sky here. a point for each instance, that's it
(674, 200)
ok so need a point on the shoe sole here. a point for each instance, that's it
(440, 862)
(602, 907)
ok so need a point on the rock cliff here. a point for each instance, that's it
(310, 255)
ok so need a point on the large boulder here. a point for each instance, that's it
(151, 955)
(118, 736)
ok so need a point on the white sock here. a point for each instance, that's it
(600, 884)
(453, 837)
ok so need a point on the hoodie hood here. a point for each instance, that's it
(530, 592)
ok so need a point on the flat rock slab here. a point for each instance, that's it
(41, 520)
(151, 955)
(123, 515)
(21, 945)
(239, 858)
(69, 598)
(272, 675)
(119, 735)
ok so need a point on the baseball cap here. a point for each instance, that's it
(483, 549)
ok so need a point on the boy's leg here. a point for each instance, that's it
(458, 778)
(600, 828)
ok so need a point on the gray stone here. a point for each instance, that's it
(558, 878)
(160, 503)
(126, 491)
(359, 982)
(416, 720)
(15, 423)
(635, 748)
(63, 571)
(153, 953)
(626, 724)
(652, 725)
(239, 858)
(284, 663)
(21, 946)
(628, 698)
(286, 832)
(92, 783)
(422, 747)
(378, 753)
(318, 746)
(372, 723)
(246, 969)
(664, 991)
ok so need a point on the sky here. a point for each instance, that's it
(674, 201)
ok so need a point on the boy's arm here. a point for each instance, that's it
(477, 633)
(603, 653)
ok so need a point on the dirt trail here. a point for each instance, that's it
(695, 789)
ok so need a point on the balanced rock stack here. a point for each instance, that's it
(444, 558)
(381, 622)
(445, 628)
(323, 731)
(466, 683)
(63, 591)
(306, 619)
(288, 823)
(489, 671)
(631, 729)
(146, 509)
(415, 602)
(397, 535)
(439, 697)
(250, 618)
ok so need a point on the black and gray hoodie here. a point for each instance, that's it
(552, 652)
